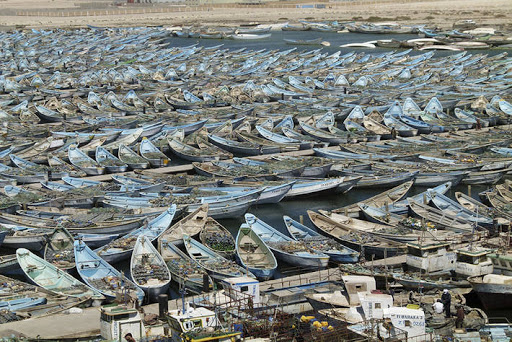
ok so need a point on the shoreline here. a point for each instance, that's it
(440, 13)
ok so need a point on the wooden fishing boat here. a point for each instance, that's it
(484, 177)
(21, 176)
(315, 41)
(127, 137)
(190, 225)
(364, 242)
(54, 186)
(384, 198)
(131, 158)
(8, 263)
(324, 136)
(25, 237)
(285, 248)
(18, 304)
(49, 277)
(402, 206)
(253, 254)
(282, 139)
(72, 170)
(84, 162)
(59, 249)
(249, 36)
(315, 187)
(442, 219)
(110, 162)
(38, 148)
(194, 154)
(96, 240)
(54, 173)
(217, 266)
(384, 181)
(428, 283)
(322, 244)
(104, 227)
(152, 154)
(121, 248)
(101, 276)
(214, 236)
(431, 179)
(185, 271)
(474, 205)
(148, 269)
(448, 205)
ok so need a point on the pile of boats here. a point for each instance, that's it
(95, 135)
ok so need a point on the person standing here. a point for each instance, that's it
(460, 317)
(446, 299)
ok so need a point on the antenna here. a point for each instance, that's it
(183, 290)
(473, 231)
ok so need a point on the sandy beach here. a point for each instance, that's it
(62, 13)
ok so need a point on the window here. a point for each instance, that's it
(188, 325)
(377, 305)
(244, 288)
(407, 323)
(198, 323)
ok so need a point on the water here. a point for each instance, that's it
(335, 39)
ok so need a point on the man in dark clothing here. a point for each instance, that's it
(460, 317)
(446, 299)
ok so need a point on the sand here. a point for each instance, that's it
(69, 13)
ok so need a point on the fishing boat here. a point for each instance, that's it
(121, 248)
(402, 206)
(54, 172)
(148, 269)
(249, 36)
(441, 218)
(18, 304)
(446, 204)
(152, 154)
(190, 225)
(185, 271)
(382, 199)
(285, 248)
(131, 158)
(282, 139)
(84, 162)
(315, 187)
(110, 162)
(319, 243)
(217, 266)
(315, 41)
(214, 236)
(96, 240)
(194, 154)
(240, 148)
(26, 237)
(101, 276)
(51, 278)
(364, 242)
(252, 253)
(59, 249)
(427, 283)
(324, 136)
(494, 290)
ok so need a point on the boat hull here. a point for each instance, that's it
(494, 296)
